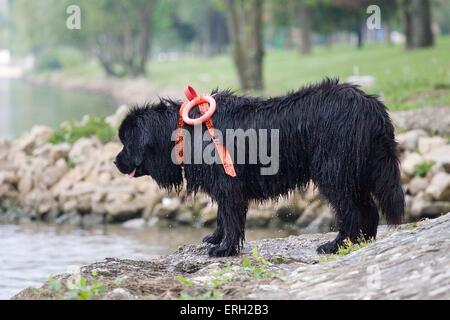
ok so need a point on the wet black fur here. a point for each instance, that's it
(332, 134)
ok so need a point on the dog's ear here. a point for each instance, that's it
(137, 154)
(139, 144)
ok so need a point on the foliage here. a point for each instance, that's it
(412, 225)
(73, 131)
(117, 32)
(184, 280)
(349, 247)
(59, 58)
(422, 169)
(208, 295)
(256, 269)
(326, 259)
(81, 289)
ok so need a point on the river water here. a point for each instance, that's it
(31, 252)
(23, 105)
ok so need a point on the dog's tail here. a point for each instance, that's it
(387, 188)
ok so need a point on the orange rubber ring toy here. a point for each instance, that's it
(199, 100)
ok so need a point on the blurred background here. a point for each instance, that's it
(69, 69)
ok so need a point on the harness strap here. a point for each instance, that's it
(204, 107)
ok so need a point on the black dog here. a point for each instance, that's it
(332, 134)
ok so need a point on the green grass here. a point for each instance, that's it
(349, 247)
(422, 169)
(255, 269)
(327, 259)
(405, 79)
(81, 289)
(72, 131)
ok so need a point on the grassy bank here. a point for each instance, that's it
(405, 79)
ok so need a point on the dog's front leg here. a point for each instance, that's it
(231, 218)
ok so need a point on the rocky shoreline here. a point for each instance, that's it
(77, 183)
(407, 262)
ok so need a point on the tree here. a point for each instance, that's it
(304, 16)
(117, 32)
(417, 21)
(245, 25)
(202, 24)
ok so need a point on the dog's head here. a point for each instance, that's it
(135, 142)
(146, 137)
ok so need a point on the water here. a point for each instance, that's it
(23, 105)
(32, 252)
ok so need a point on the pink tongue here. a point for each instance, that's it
(132, 173)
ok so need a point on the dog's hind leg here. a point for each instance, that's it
(349, 220)
(369, 218)
(232, 215)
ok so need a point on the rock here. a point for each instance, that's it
(403, 263)
(259, 218)
(152, 221)
(208, 215)
(8, 177)
(431, 119)
(39, 200)
(119, 211)
(185, 217)
(69, 205)
(428, 144)
(110, 151)
(168, 208)
(37, 137)
(416, 185)
(288, 214)
(25, 183)
(439, 187)
(309, 214)
(423, 206)
(119, 294)
(91, 220)
(53, 152)
(84, 149)
(410, 162)
(323, 222)
(52, 174)
(408, 204)
(408, 140)
(134, 223)
(440, 155)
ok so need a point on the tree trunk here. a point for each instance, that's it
(144, 40)
(245, 24)
(417, 20)
(304, 15)
(360, 34)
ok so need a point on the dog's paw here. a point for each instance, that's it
(223, 251)
(329, 247)
(212, 239)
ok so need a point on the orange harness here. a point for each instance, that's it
(207, 107)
